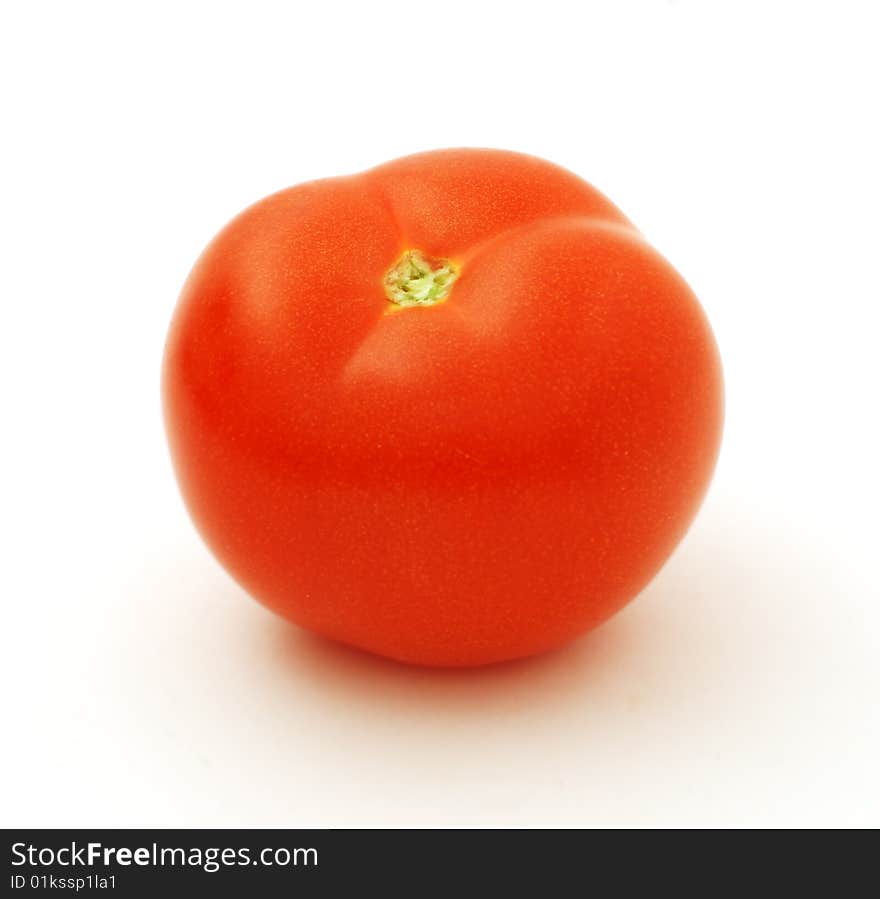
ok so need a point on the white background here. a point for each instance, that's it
(142, 687)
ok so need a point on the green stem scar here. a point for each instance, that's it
(416, 280)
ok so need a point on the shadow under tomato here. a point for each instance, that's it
(369, 678)
(605, 668)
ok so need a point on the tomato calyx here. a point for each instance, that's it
(417, 280)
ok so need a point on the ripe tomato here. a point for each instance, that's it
(452, 410)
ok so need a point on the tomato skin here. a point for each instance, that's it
(459, 484)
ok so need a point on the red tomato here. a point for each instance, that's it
(452, 410)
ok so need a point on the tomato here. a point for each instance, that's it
(452, 410)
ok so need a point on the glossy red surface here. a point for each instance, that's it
(473, 481)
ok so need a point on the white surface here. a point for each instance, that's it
(141, 687)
